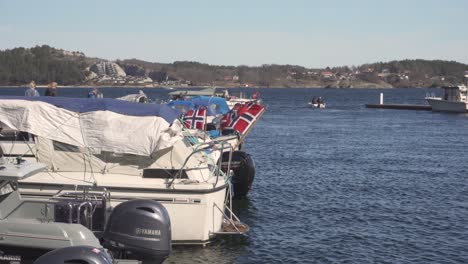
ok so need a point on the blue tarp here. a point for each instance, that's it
(83, 105)
(182, 105)
(215, 105)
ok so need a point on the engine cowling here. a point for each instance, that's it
(78, 254)
(140, 229)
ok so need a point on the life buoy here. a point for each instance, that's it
(243, 168)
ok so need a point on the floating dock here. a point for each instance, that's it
(381, 105)
(400, 106)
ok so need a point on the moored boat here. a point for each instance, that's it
(130, 150)
(455, 100)
(76, 227)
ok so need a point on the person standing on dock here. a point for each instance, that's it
(32, 92)
(93, 93)
(51, 89)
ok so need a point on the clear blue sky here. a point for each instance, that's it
(308, 33)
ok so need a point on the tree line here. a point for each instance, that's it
(42, 64)
(45, 64)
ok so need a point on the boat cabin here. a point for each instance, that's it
(455, 93)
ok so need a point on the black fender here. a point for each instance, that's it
(243, 168)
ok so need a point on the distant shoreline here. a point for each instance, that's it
(190, 87)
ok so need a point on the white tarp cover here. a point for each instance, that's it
(96, 130)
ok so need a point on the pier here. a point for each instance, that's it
(400, 106)
(381, 105)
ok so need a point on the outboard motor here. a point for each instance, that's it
(76, 255)
(139, 229)
(243, 168)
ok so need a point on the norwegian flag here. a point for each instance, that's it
(242, 117)
(195, 119)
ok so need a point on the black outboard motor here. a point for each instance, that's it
(243, 167)
(78, 255)
(139, 229)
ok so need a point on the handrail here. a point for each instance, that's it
(197, 150)
(88, 205)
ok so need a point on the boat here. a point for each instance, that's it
(181, 94)
(213, 115)
(140, 97)
(455, 100)
(317, 105)
(79, 225)
(232, 100)
(133, 151)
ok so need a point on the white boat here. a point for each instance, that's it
(241, 99)
(181, 94)
(455, 100)
(317, 105)
(140, 97)
(89, 145)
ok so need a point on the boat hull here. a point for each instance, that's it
(440, 105)
(195, 214)
(312, 105)
(10, 254)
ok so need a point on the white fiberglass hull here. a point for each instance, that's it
(195, 210)
(440, 105)
(232, 102)
(322, 105)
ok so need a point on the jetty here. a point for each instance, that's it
(381, 105)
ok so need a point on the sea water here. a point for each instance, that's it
(345, 184)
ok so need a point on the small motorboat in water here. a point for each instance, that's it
(317, 103)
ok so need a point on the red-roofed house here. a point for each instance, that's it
(327, 74)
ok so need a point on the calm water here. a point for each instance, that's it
(346, 184)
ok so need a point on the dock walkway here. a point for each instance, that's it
(400, 106)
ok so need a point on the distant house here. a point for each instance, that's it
(327, 74)
(383, 74)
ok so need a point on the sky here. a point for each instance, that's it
(309, 33)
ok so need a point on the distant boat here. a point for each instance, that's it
(317, 105)
(241, 99)
(140, 97)
(455, 100)
(189, 93)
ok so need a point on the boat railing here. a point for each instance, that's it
(220, 146)
(73, 209)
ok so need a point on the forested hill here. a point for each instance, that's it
(45, 64)
(42, 64)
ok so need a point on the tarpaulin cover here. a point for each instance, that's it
(97, 124)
